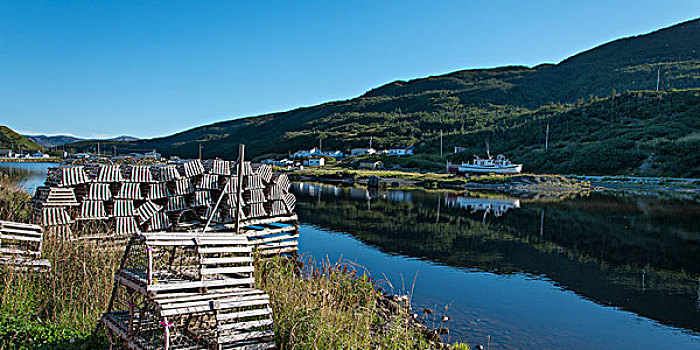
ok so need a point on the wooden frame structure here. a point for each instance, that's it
(20, 247)
(188, 290)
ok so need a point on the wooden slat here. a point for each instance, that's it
(5, 230)
(258, 346)
(20, 238)
(211, 250)
(267, 232)
(225, 304)
(274, 239)
(244, 325)
(243, 314)
(234, 260)
(227, 270)
(160, 287)
(209, 302)
(246, 336)
(177, 297)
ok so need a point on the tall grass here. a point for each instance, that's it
(13, 202)
(58, 309)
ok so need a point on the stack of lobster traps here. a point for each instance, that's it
(188, 290)
(123, 200)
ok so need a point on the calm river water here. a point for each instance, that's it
(588, 272)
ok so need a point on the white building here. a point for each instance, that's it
(400, 151)
(40, 155)
(314, 162)
(154, 154)
(333, 154)
(283, 163)
(82, 155)
(362, 151)
(315, 152)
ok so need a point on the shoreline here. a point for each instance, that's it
(511, 184)
(32, 160)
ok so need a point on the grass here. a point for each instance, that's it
(329, 306)
(365, 173)
(332, 306)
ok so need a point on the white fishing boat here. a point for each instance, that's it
(499, 165)
(490, 165)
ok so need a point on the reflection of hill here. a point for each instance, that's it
(612, 250)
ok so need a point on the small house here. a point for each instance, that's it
(7, 153)
(314, 162)
(40, 155)
(154, 154)
(82, 155)
(332, 154)
(400, 151)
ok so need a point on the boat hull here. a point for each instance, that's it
(475, 169)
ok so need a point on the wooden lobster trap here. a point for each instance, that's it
(188, 290)
(20, 247)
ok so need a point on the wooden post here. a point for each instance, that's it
(239, 194)
(149, 275)
(658, 78)
(440, 144)
(221, 196)
(166, 334)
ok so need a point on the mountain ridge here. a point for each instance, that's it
(50, 141)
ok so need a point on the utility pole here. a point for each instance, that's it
(98, 148)
(546, 140)
(320, 144)
(440, 144)
(114, 151)
(658, 78)
(200, 150)
(370, 142)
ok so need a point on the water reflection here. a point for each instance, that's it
(496, 205)
(27, 175)
(639, 254)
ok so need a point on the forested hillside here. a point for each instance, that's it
(599, 123)
(9, 139)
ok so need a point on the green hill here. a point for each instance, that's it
(590, 95)
(9, 139)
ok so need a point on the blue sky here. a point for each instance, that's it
(147, 68)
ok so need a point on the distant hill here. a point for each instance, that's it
(60, 140)
(471, 105)
(9, 139)
(123, 138)
(53, 141)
